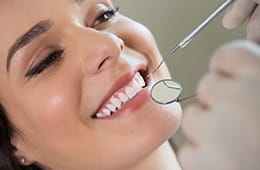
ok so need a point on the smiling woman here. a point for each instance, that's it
(74, 92)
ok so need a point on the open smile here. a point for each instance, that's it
(121, 97)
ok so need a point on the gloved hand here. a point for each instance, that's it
(244, 11)
(223, 128)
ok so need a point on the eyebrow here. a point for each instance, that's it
(35, 32)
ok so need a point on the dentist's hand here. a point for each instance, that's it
(223, 128)
(242, 11)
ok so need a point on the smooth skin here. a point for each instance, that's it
(52, 107)
(223, 126)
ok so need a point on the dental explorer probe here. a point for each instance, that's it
(198, 29)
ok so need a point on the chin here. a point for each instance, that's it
(161, 123)
(166, 122)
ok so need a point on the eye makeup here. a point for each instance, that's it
(50, 60)
(105, 15)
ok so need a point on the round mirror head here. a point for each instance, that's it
(166, 91)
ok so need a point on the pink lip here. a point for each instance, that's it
(120, 83)
(131, 106)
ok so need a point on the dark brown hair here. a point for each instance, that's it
(7, 159)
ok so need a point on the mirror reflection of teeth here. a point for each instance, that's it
(119, 99)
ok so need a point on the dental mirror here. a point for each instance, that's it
(166, 91)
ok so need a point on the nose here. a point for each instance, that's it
(100, 51)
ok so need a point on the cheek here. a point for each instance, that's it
(52, 110)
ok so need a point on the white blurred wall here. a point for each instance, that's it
(170, 21)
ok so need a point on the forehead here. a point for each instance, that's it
(18, 16)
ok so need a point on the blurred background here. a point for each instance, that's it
(170, 21)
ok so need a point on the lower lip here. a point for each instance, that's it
(132, 106)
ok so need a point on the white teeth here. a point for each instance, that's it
(116, 102)
(123, 97)
(106, 112)
(136, 86)
(120, 98)
(111, 107)
(100, 115)
(140, 80)
(130, 92)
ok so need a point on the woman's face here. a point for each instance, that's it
(65, 66)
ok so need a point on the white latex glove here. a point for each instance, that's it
(244, 11)
(223, 128)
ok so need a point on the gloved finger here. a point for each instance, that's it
(211, 89)
(236, 59)
(188, 156)
(238, 13)
(253, 28)
(196, 124)
(205, 156)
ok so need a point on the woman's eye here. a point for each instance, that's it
(51, 59)
(105, 16)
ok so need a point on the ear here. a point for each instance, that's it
(22, 153)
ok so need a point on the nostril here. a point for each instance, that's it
(121, 44)
(104, 63)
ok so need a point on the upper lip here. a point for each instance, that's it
(121, 82)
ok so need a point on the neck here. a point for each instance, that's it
(163, 158)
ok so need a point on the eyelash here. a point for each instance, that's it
(55, 57)
(51, 59)
(105, 16)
